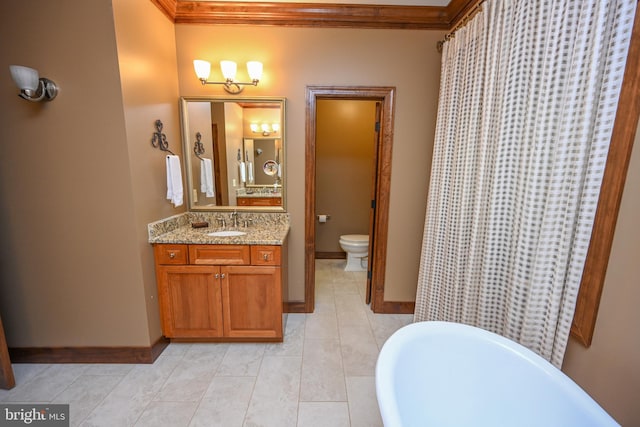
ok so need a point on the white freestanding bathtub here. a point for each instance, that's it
(449, 374)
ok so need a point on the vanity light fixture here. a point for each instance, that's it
(32, 86)
(229, 68)
(265, 129)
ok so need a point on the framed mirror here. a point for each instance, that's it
(234, 153)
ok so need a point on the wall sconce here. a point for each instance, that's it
(229, 68)
(265, 129)
(32, 86)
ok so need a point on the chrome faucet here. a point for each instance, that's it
(234, 218)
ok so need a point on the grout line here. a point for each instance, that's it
(253, 389)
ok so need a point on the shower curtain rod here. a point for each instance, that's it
(461, 23)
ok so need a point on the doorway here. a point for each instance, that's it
(384, 97)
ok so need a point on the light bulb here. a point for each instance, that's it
(229, 69)
(254, 68)
(203, 69)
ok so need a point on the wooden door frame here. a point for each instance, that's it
(7, 380)
(386, 95)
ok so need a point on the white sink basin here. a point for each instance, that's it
(226, 233)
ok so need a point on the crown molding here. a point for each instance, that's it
(319, 15)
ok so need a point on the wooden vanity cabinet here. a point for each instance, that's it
(190, 301)
(220, 292)
(259, 201)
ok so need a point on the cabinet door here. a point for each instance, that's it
(190, 301)
(252, 301)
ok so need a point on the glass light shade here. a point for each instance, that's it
(254, 127)
(275, 127)
(254, 68)
(229, 69)
(203, 69)
(24, 77)
(265, 127)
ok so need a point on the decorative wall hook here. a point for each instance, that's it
(159, 139)
(198, 147)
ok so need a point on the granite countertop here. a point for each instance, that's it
(266, 229)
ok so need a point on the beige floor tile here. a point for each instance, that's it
(167, 414)
(363, 406)
(347, 287)
(47, 383)
(225, 403)
(323, 414)
(359, 350)
(241, 360)
(274, 402)
(293, 341)
(384, 325)
(321, 326)
(109, 369)
(322, 372)
(85, 394)
(23, 373)
(128, 400)
(190, 379)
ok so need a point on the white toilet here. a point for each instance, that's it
(357, 248)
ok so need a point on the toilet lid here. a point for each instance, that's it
(356, 238)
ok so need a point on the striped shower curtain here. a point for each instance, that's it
(528, 97)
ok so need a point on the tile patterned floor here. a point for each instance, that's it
(321, 375)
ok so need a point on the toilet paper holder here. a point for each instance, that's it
(323, 218)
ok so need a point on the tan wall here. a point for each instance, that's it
(148, 74)
(608, 370)
(69, 264)
(79, 178)
(345, 147)
(297, 57)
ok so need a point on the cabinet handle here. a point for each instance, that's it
(265, 256)
(222, 276)
(217, 276)
(172, 255)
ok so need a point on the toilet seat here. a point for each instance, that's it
(355, 238)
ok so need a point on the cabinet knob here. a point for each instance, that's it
(265, 256)
(222, 276)
(172, 255)
(217, 276)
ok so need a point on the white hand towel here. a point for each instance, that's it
(250, 172)
(174, 181)
(206, 178)
(243, 172)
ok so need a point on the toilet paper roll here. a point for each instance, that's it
(323, 218)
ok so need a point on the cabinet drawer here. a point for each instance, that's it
(265, 255)
(171, 254)
(259, 201)
(219, 254)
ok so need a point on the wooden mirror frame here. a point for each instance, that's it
(187, 143)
